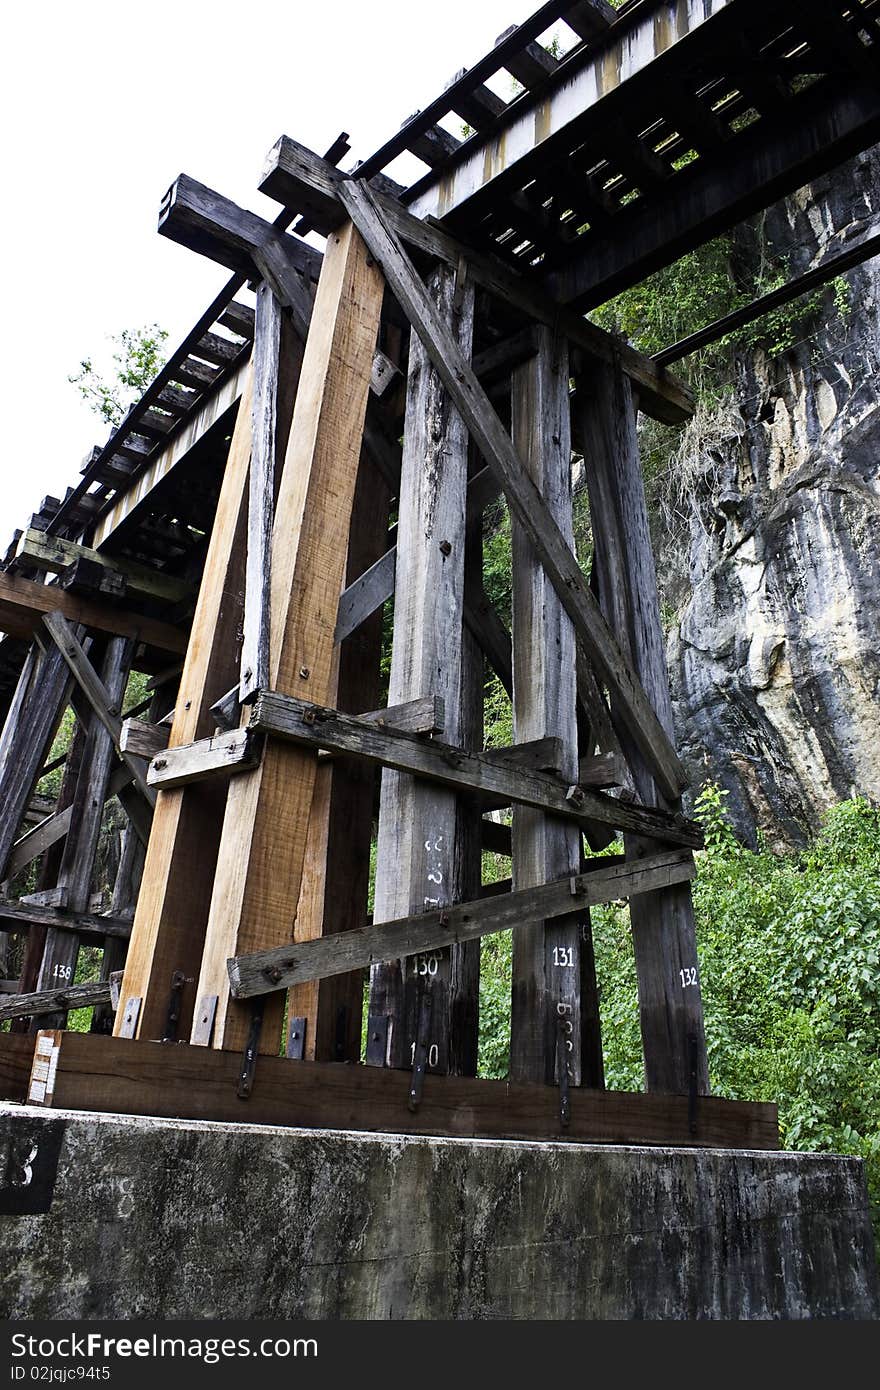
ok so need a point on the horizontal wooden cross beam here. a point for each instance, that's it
(24, 601)
(264, 971)
(293, 169)
(50, 1001)
(284, 716)
(18, 917)
(49, 831)
(525, 501)
(55, 554)
(121, 1075)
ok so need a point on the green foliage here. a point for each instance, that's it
(137, 359)
(789, 952)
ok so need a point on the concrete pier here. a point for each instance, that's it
(106, 1216)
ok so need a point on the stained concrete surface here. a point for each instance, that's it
(126, 1217)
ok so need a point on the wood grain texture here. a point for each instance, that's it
(261, 497)
(524, 499)
(133, 1077)
(27, 601)
(336, 869)
(16, 1056)
(172, 908)
(549, 965)
(415, 856)
(285, 717)
(267, 811)
(664, 935)
(264, 971)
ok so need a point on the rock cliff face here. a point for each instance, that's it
(775, 656)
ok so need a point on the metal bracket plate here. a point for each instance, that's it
(562, 1065)
(172, 1018)
(420, 1055)
(377, 1040)
(130, 1017)
(203, 1023)
(251, 1049)
(296, 1039)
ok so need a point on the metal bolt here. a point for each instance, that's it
(188, 704)
(160, 763)
(445, 548)
(304, 673)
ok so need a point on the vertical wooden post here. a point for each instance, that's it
(547, 1007)
(126, 887)
(664, 937)
(261, 497)
(47, 877)
(33, 718)
(336, 871)
(61, 951)
(172, 910)
(259, 868)
(415, 863)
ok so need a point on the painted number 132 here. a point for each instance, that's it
(688, 976)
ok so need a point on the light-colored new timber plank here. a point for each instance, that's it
(260, 861)
(178, 876)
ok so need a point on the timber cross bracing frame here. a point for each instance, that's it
(423, 1004)
(442, 315)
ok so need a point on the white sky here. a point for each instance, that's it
(103, 104)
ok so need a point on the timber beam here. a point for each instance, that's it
(286, 717)
(205, 221)
(122, 1075)
(54, 1001)
(16, 917)
(264, 971)
(24, 601)
(53, 553)
(525, 501)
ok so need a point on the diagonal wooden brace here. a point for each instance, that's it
(523, 497)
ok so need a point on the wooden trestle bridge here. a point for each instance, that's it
(232, 539)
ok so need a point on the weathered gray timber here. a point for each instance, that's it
(19, 917)
(126, 887)
(34, 716)
(365, 595)
(523, 497)
(670, 1007)
(261, 498)
(292, 171)
(48, 1004)
(264, 971)
(220, 755)
(144, 740)
(284, 716)
(508, 1230)
(55, 554)
(106, 708)
(416, 848)
(61, 951)
(551, 987)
